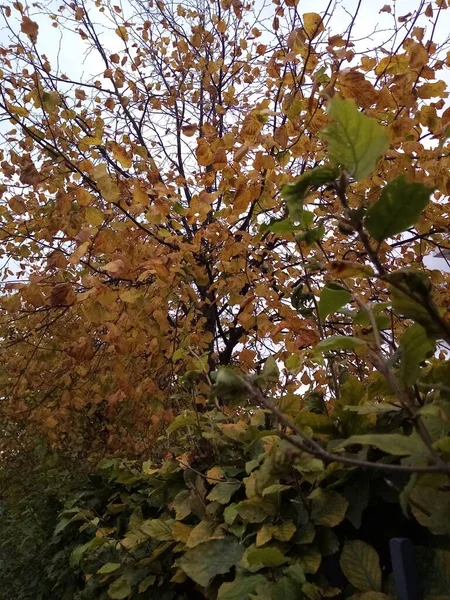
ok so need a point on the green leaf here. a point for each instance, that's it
(222, 492)
(253, 512)
(327, 507)
(187, 420)
(357, 493)
(361, 565)
(293, 363)
(327, 541)
(415, 347)
(109, 568)
(436, 503)
(391, 443)
(120, 588)
(259, 558)
(276, 488)
(332, 298)
(146, 583)
(270, 370)
(241, 588)
(400, 205)
(181, 504)
(355, 141)
(79, 552)
(180, 353)
(339, 342)
(369, 596)
(410, 293)
(311, 235)
(158, 529)
(209, 559)
(434, 572)
(280, 226)
(294, 193)
(228, 382)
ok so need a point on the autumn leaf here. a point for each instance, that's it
(313, 25)
(31, 28)
(122, 32)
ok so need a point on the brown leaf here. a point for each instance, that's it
(57, 260)
(189, 130)
(82, 350)
(30, 27)
(62, 295)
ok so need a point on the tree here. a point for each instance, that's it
(215, 276)
(135, 203)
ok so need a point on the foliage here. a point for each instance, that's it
(243, 514)
(215, 282)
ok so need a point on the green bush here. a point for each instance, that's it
(244, 514)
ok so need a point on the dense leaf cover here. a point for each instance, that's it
(224, 368)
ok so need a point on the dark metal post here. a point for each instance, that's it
(404, 569)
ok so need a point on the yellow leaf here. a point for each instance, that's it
(11, 303)
(418, 56)
(122, 32)
(181, 532)
(51, 422)
(114, 267)
(140, 196)
(130, 296)
(106, 184)
(398, 64)
(17, 110)
(312, 23)
(94, 216)
(241, 152)
(33, 295)
(79, 253)
(430, 90)
(120, 154)
(62, 295)
(204, 153)
(84, 198)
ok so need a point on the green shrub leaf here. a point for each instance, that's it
(355, 141)
(109, 568)
(361, 565)
(391, 443)
(222, 492)
(240, 588)
(340, 342)
(158, 529)
(332, 298)
(209, 559)
(327, 507)
(265, 557)
(400, 205)
(120, 588)
(415, 346)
